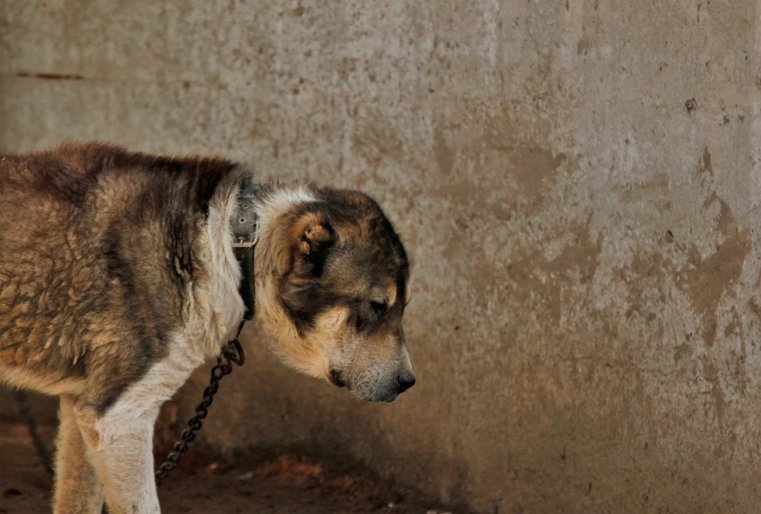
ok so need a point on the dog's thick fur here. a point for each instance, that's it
(118, 279)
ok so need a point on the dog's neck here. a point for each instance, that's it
(275, 209)
(245, 229)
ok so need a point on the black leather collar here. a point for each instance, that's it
(246, 233)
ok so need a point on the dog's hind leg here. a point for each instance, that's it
(77, 488)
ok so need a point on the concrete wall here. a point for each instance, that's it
(579, 186)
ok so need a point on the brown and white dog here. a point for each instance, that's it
(118, 279)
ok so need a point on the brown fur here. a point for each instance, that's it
(87, 231)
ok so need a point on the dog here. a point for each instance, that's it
(119, 277)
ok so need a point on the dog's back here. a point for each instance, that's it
(43, 260)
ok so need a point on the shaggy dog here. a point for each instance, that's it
(119, 277)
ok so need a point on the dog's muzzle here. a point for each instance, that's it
(379, 392)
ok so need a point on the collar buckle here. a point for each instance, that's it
(241, 242)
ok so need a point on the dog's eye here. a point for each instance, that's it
(378, 308)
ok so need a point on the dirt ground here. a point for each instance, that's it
(287, 484)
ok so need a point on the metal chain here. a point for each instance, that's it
(232, 353)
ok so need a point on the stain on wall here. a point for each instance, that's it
(579, 187)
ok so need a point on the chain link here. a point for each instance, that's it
(232, 353)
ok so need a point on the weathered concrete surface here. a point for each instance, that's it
(579, 186)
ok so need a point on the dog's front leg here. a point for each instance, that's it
(77, 488)
(119, 442)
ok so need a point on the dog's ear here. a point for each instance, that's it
(312, 237)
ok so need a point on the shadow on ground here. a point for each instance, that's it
(288, 483)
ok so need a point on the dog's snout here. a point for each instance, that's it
(406, 380)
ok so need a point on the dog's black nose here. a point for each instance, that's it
(406, 380)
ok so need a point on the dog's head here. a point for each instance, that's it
(336, 289)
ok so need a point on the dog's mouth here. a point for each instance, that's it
(336, 379)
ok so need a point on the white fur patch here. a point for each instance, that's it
(122, 455)
(280, 201)
(214, 307)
